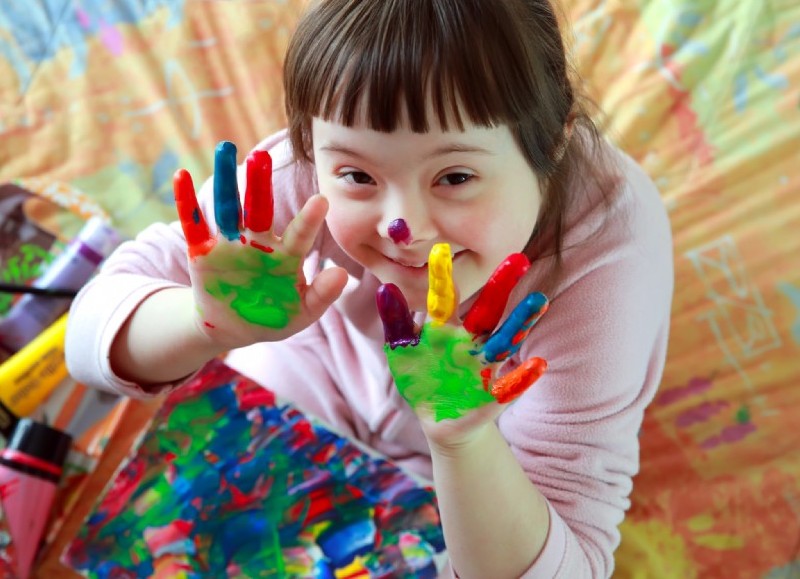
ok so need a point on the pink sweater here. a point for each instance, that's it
(574, 432)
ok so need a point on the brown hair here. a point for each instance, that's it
(495, 61)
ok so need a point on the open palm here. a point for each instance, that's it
(446, 369)
(247, 282)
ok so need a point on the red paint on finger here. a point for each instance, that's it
(487, 310)
(258, 201)
(513, 384)
(195, 228)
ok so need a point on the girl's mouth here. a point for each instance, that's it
(419, 267)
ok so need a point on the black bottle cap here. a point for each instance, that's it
(40, 441)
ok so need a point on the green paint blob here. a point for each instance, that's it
(743, 415)
(439, 373)
(265, 292)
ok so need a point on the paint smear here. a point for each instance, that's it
(696, 386)
(228, 482)
(440, 373)
(729, 435)
(266, 294)
(700, 413)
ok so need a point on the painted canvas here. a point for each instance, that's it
(227, 481)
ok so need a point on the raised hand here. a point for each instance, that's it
(248, 284)
(447, 369)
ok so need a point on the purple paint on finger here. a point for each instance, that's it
(399, 231)
(398, 323)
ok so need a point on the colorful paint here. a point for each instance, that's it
(398, 323)
(484, 315)
(228, 482)
(258, 200)
(509, 387)
(265, 293)
(441, 290)
(255, 281)
(506, 341)
(449, 370)
(195, 228)
(440, 373)
(399, 231)
(227, 209)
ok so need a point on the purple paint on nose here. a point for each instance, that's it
(399, 232)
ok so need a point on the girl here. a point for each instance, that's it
(413, 123)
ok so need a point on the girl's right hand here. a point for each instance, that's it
(247, 283)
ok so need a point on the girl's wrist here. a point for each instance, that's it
(459, 444)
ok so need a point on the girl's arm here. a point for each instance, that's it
(495, 521)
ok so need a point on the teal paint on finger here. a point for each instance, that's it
(439, 373)
(267, 294)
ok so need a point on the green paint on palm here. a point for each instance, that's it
(439, 373)
(264, 290)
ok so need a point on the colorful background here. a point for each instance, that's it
(109, 97)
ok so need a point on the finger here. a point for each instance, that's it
(324, 290)
(398, 323)
(258, 200)
(514, 383)
(508, 339)
(487, 310)
(195, 228)
(303, 229)
(227, 210)
(441, 290)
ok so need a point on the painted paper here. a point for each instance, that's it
(228, 482)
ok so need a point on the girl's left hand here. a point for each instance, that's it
(446, 369)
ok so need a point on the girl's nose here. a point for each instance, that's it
(407, 220)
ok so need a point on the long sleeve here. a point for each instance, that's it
(154, 261)
(605, 339)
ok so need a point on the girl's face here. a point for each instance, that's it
(471, 189)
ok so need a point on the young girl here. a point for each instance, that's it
(413, 123)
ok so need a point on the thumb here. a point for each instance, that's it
(324, 290)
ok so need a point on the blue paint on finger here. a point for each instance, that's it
(506, 341)
(227, 209)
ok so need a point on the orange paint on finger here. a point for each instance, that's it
(195, 228)
(513, 384)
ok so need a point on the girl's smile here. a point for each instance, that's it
(472, 189)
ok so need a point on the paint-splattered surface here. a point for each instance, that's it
(228, 483)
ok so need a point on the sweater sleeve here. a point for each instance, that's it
(575, 432)
(156, 260)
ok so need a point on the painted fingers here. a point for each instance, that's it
(231, 221)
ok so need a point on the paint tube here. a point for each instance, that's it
(70, 270)
(30, 469)
(30, 375)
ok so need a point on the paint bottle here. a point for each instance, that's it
(30, 469)
(30, 375)
(70, 270)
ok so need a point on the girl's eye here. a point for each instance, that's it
(455, 179)
(357, 178)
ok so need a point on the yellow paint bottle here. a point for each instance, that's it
(28, 377)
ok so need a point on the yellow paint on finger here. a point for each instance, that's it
(441, 290)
